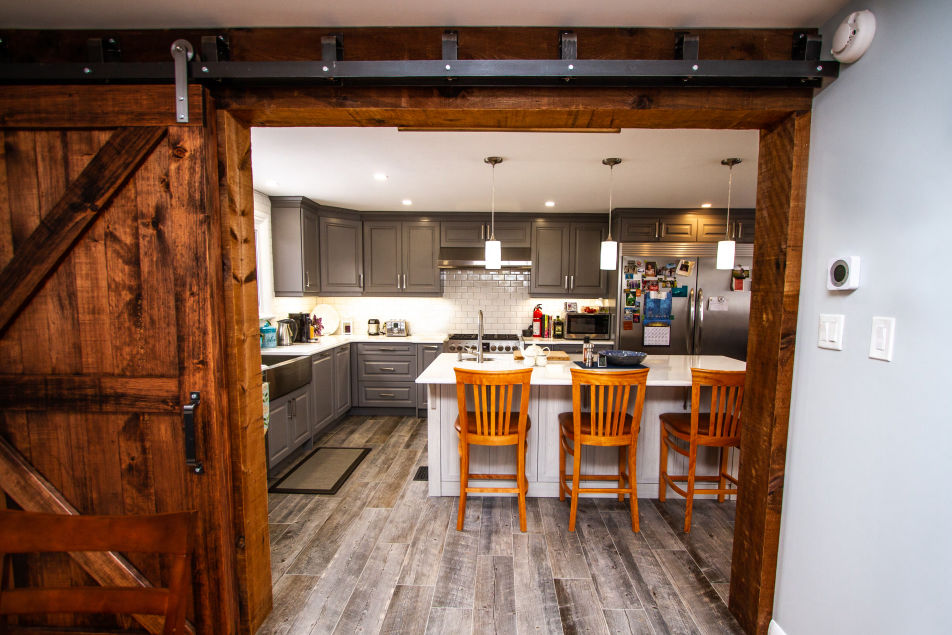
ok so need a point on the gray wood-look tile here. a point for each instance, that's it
(495, 605)
(381, 556)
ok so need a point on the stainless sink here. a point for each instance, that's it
(285, 373)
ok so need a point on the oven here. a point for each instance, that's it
(597, 326)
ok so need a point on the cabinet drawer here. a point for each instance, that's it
(386, 347)
(377, 394)
(387, 367)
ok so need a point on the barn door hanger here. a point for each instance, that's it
(182, 53)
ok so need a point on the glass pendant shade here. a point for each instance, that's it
(725, 254)
(609, 258)
(493, 254)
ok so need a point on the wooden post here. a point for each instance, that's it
(781, 188)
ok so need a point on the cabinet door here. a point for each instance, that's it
(426, 353)
(300, 419)
(383, 257)
(586, 278)
(278, 432)
(678, 228)
(743, 226)
(421, 248)
(463, 233)
(550, 258)
(638, 229)
(341, 380)
(342, 258)
(711, 228)
(311, 245)
(322, 389)
(513, 233)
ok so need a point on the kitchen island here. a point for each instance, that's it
(669, 390)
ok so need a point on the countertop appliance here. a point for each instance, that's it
(397, 328)
(287, 332)
(373, 326)
(597, 326)
(303, 321)
(704, 317)
(492, 342)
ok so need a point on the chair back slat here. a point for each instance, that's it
(727, 396)
(492, 393)
(170, 534)
(610, 396)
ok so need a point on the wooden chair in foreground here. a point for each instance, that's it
(29, 532)
(720, 427)
(607, 425)
(492, 422)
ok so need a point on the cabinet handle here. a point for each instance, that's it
(482, 232)
(431, 348)
(389, 370)
(566, 283)
(740, 229)
(360, 280)
(571, 282)
(387, 394)
(656, 225)
(663, 228)
(388, 349)
(307, 280)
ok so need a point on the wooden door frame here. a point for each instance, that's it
(783, 118)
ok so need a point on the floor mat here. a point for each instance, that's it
(323, 471)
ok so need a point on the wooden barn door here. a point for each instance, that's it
(111, 314)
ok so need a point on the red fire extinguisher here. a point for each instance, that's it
(537, 321)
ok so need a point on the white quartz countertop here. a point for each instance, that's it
(665, 370)
(333, 341)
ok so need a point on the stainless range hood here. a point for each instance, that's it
(469, 257)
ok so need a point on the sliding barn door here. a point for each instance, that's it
(111, 316)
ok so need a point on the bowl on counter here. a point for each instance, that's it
(624, 358)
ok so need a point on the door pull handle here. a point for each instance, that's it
(188, 415)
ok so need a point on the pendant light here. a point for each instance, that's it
(493, 247)
(725, 248)
(609, 259)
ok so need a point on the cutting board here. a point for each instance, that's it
(554, 356)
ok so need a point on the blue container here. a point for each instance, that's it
(269, 336)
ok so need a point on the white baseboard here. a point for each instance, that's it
(774, 629)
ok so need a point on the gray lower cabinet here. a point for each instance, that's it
(322, 389)
(342, 256)
(385, 375)
(566, 260)
(400, 257)
(290, 424)
(426, 353)
(295, 230)
(342, 399)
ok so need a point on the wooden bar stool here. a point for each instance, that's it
(30, 532)
(719, 427)
(607, 425)
(493, 422)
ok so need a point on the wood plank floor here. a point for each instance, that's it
(380, 556)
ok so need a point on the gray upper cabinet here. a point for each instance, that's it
(295, 246)
(400, 257)
(565, 260)
(713, 227)
(660, 226)
(342, 259)
(473, 233)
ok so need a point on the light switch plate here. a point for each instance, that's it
(831, 331)
(881, 338)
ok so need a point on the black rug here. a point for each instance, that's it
(323, 471)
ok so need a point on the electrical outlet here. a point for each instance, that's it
(881, 338)
(831, 331)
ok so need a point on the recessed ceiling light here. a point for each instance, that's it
(407, 201)
(380, 176)
(550, 203)
(705, 204)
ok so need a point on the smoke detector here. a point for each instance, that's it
(853, 36)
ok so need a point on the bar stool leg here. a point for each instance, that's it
(692, 466)
(521, 482)
(633, 484)
(576, 479)
(463, 484)
(663, 470)
(722, 482)
(621, 472)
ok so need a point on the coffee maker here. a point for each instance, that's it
(303, 321)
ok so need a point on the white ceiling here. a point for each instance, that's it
(118, 14)
(445, 171)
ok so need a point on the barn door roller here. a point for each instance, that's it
(188, 413)
(182, 53)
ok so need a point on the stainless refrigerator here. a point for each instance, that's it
(696, 310)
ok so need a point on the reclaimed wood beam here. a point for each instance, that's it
(90, 393)
(34, 493)
(80, 205)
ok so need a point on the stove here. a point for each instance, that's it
(492, 342)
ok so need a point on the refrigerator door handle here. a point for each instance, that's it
(689, 323)
(700, 319)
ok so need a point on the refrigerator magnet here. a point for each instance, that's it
(685, 267)
(680, 292)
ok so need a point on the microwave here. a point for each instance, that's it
(597, 326)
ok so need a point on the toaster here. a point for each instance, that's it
(396, 328)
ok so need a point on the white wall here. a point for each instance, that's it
(867, 513)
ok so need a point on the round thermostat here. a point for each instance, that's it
(853, 36)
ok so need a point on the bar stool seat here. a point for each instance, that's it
(678, 424)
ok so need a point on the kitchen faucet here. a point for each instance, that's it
(479, 339)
